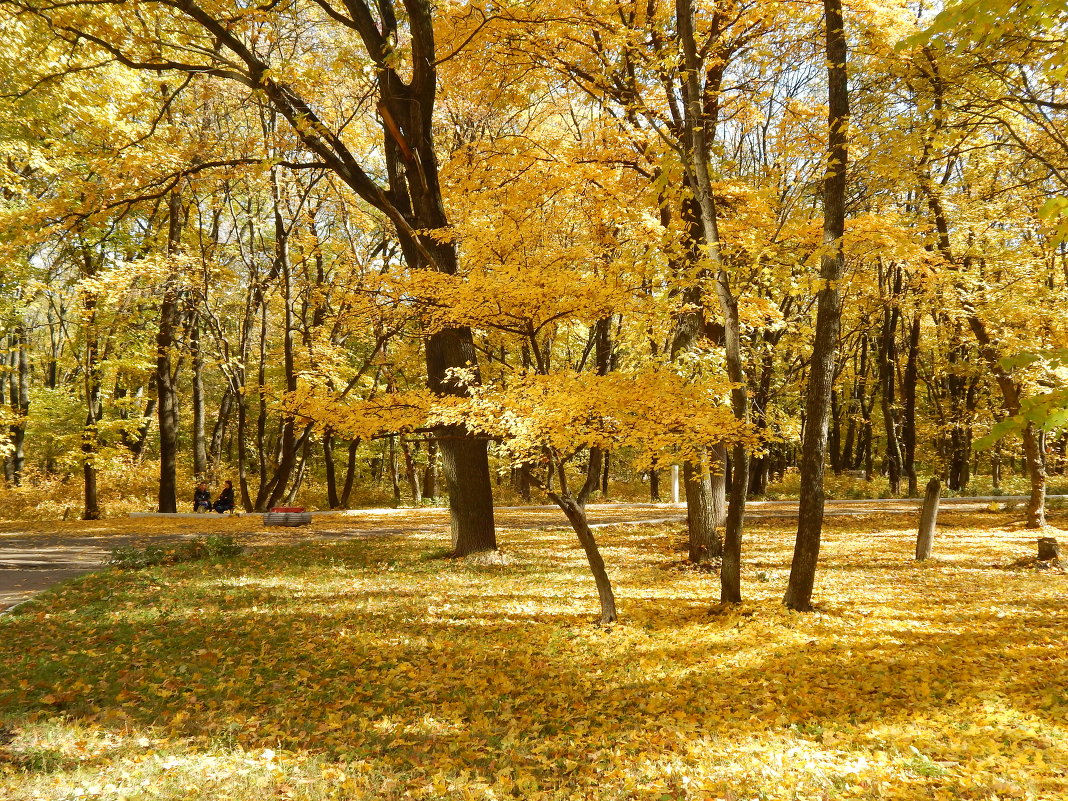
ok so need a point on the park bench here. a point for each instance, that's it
(287, 516)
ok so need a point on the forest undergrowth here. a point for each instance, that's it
(377, 668)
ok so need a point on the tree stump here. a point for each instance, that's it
(928, 520)
(1048, 549)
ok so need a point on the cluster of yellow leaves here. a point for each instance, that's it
(654, 413)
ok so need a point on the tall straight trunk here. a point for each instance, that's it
(654, 484)
(218, 431)
(20, 400)
(350, 474)
(92, 388)
(697, 157)
(242, 452)
(394, 471)
(200, 445)
(828, 320)
(166, 389)
(261, 407)
(888, 383)
(3, 402)
(908, 416)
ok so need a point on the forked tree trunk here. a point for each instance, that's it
(696, 128)
(828, 320)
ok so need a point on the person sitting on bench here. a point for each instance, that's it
(202, 498)
(226, 499)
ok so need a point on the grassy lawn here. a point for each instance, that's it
(376, 669)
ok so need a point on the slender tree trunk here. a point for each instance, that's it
(200, 446)
(908, 417)
(654, 485)
(411, 473)
(218, 431)
(20, 402)
(828, 320)
(430, 475)
(92, 387)
(394, 471)
(242, 452)
(576, 515)
(350, 474)
(166, 389)
(887, 382)
(331, 470)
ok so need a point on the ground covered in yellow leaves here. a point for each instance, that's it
(375, 668)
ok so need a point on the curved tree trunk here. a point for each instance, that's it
(576, 515)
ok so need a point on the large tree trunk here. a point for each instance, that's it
(167, 404)
(828, 321)
(470, 496)
(705, 510)
(1036, 469)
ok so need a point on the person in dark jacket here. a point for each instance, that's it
(202, 498)
(226, 499)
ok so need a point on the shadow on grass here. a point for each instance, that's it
(377, 651)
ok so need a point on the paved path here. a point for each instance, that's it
(30, 563)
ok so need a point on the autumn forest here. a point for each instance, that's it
(493, 255)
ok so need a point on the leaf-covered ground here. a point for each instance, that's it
(376, 669)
